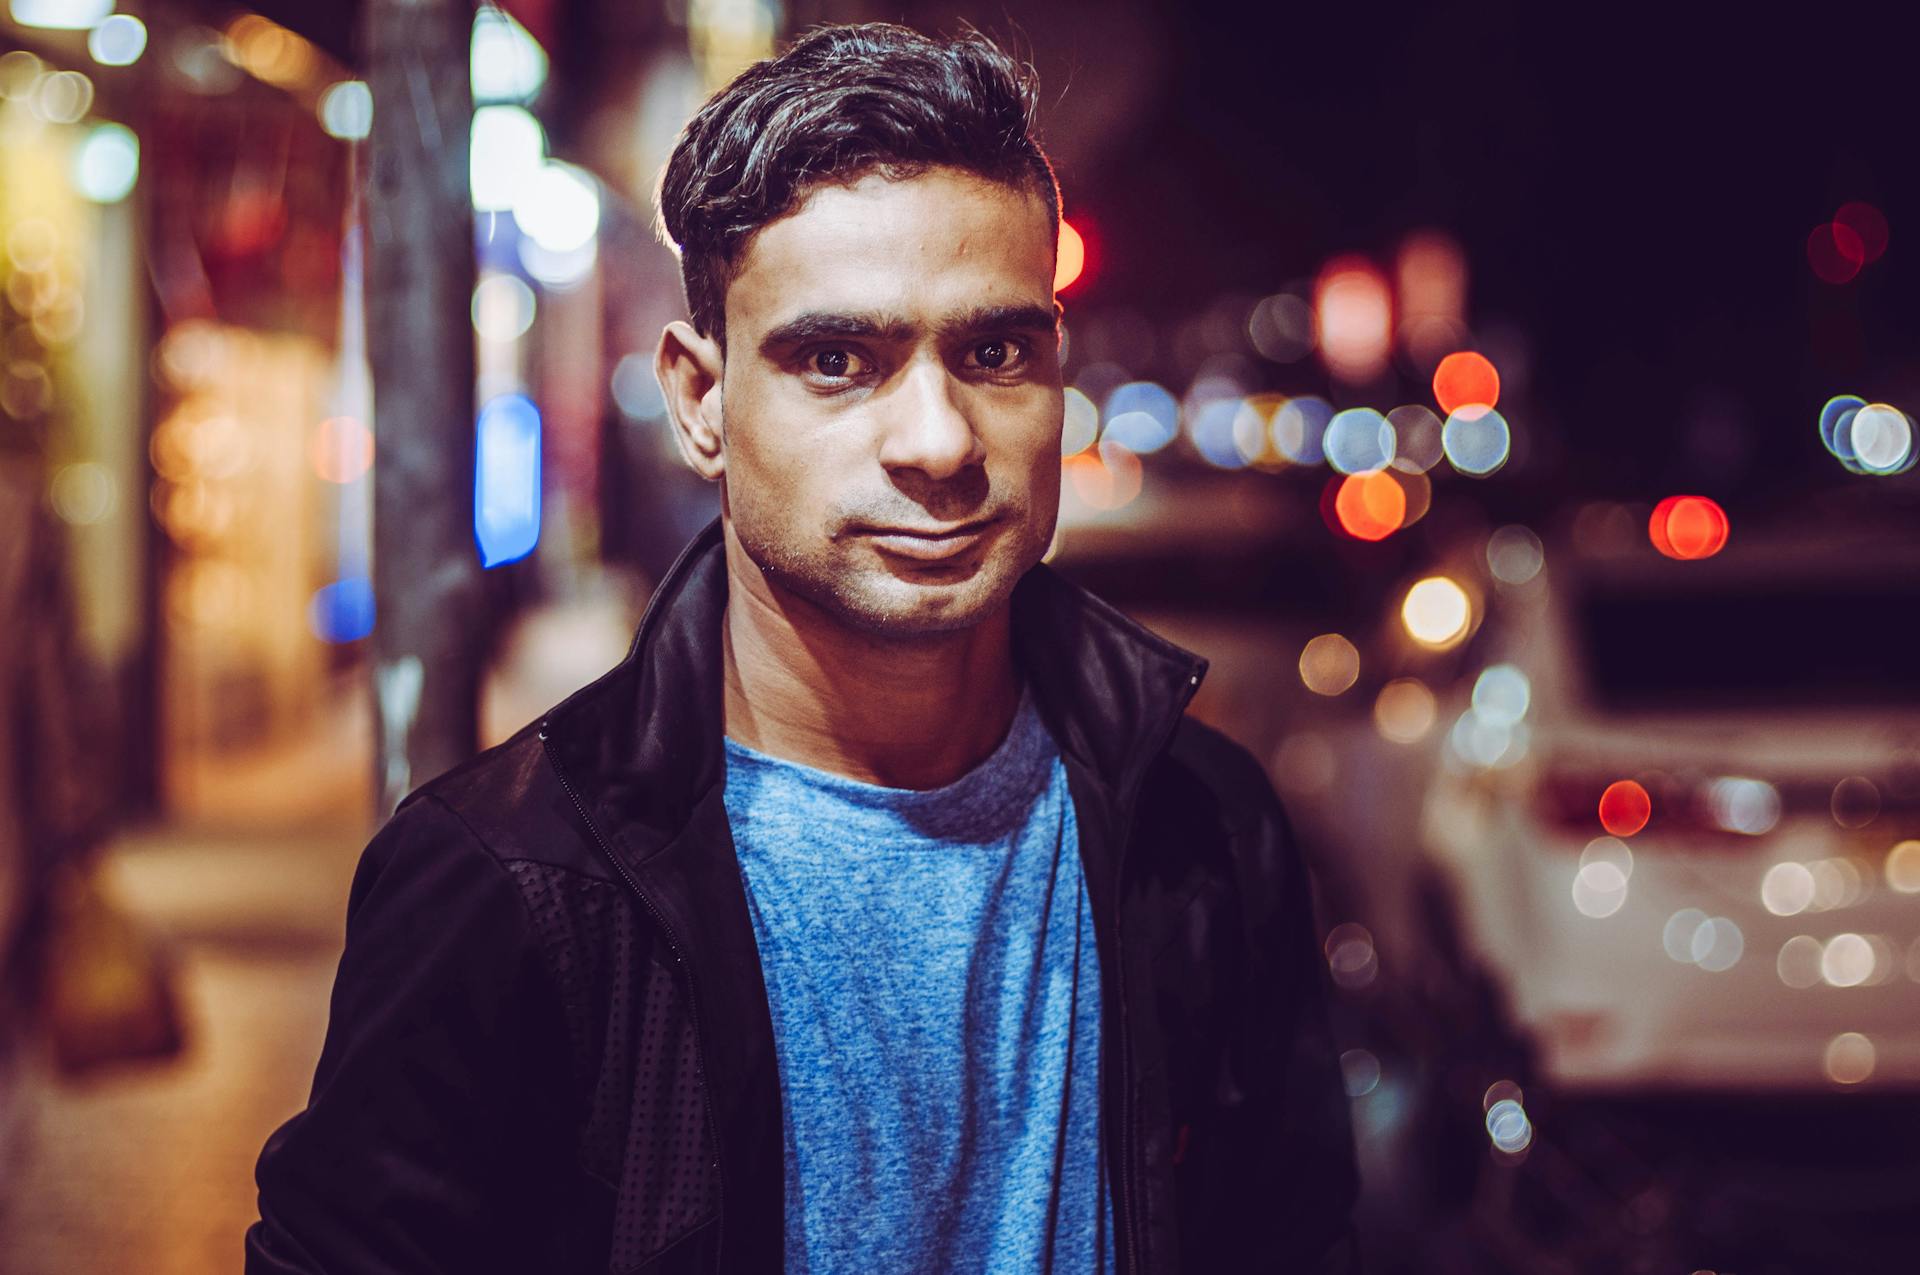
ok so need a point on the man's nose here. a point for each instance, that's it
(928, 429)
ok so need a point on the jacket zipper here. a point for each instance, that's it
(679, 960)
(1129, 1170)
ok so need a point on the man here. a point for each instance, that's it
(881, 911)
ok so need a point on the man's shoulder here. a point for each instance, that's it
(510, 801)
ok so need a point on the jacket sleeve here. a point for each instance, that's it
(1309, 1113)
(429, 1137)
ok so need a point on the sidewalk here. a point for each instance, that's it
(149, 1167)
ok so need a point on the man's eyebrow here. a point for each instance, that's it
(1001, 318)
(820, 325)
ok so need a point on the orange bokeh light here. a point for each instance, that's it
(1625, 808)
(1071, 260)
(342, 449)
(1370, 506)
(1688, 527)
(1463, 379)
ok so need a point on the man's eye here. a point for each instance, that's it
(836, 364)
(998, 355)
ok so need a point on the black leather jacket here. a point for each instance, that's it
(550, 1049)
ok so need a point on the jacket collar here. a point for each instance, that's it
(643, 745)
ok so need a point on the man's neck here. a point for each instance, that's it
(903, 713)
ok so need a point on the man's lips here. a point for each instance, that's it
(928, 544)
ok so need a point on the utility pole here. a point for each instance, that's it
(429, 631)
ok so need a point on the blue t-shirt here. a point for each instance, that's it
(930, 963)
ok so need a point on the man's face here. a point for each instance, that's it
(891, 403)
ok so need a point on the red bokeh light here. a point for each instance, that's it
(1865, 221)
(1370, 506)
(1688, 527)
(1835, 252)
(1625, 808)
(1465, 378)
(1071, 261)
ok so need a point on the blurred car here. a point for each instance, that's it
(1680, 805)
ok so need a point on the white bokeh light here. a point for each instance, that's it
(107, 163)
(559, 209)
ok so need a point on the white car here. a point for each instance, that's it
(1680, 807)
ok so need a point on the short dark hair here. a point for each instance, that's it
(842, 102)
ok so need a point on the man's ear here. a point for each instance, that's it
(688, 366)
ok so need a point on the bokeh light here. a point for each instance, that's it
(60, 15)
(1488, 744)
(1508, 1127)
(107, 163)
(1463, 379)
(1300, 427)
(1352, 959)
(505, 62)
(1600, 883)
(1688, 527)
(1070, 260)
(506, 496)
(1081, 424)
(118, 40)
(1502, 694)
(342, 449)
(507, 149)
(1835, 252)
(1717, 944)
(1329, 664)
(1855, 802)
(1514, 555)
(1106, 477)
(1416, 438)
(1228, 433)
(1369, 506)
(346, 110)
(1902, 868)
(1750, 807)
(342, 611)
(83, 493)
(1847, 960)
(1798, 964)
(1430, 281)
(1867, 224)
(1404, 710)
(1436, 612)
(1676, 937)
(1476, 440)
(1281, 328)
(1416, 493)
(1360, 1072)
(1353, 315)
(1786, 889)
(1836, 412)
(1877, 437)
(1849, 1059)
(503, 307)
(1625, 807)
(1358, 441)
(1140, 416)
(559, 208)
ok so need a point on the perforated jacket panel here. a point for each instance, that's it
(635, 1052)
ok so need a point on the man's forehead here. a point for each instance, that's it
(928, 248)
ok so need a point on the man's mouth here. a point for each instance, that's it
(929, 544)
